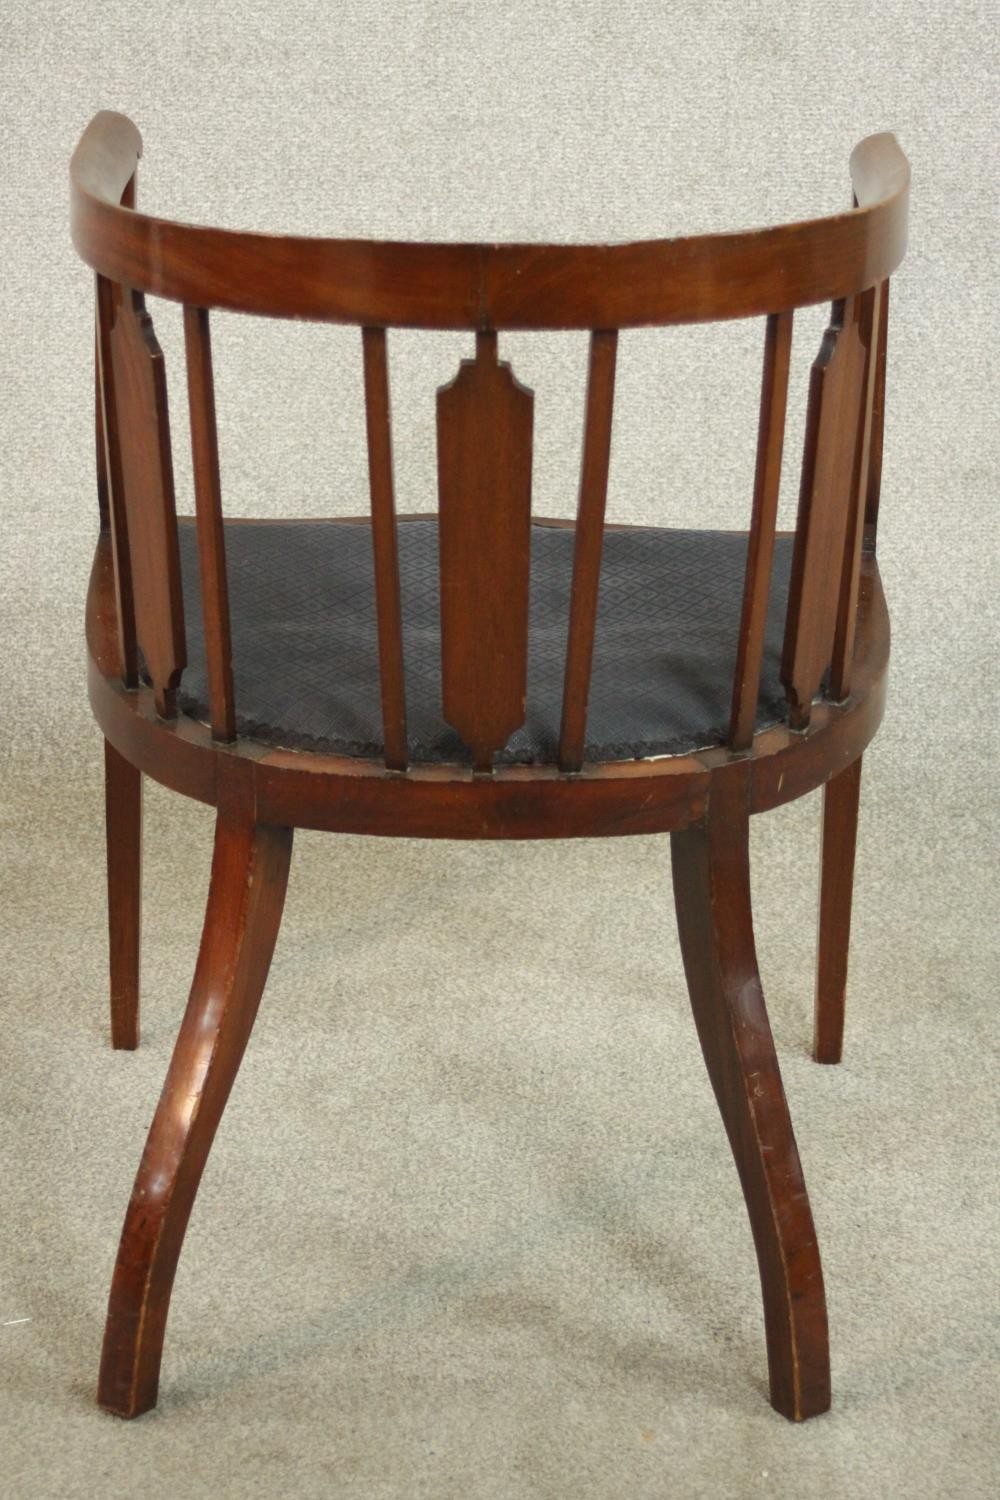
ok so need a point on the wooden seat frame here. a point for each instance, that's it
(834, 664)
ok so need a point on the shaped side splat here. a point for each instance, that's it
(829, 477)
(142, 482)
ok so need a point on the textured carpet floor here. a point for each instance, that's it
(471, 1228)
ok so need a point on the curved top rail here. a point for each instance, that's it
(409, 284)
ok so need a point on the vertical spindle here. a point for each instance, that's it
(760, 542)
(385, 544)
(588, 547)
(211, 530)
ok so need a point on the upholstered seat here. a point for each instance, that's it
(305, 639)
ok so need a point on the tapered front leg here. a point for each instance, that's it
(712, 892)
(841, 797)
(123, 819)
(246, 896)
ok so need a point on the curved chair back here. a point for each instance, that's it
(485, 423)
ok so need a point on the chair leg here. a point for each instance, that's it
(245, 901)
(123, 818)
(840, 833)
(711, 870)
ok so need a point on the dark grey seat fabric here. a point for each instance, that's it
(306, 657)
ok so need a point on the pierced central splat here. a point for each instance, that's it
(484, 429)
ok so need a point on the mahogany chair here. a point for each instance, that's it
(480, 673)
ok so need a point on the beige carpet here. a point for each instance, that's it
(471, 1228)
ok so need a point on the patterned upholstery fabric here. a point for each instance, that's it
(306, 658)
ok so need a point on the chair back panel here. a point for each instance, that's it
(485, 428)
